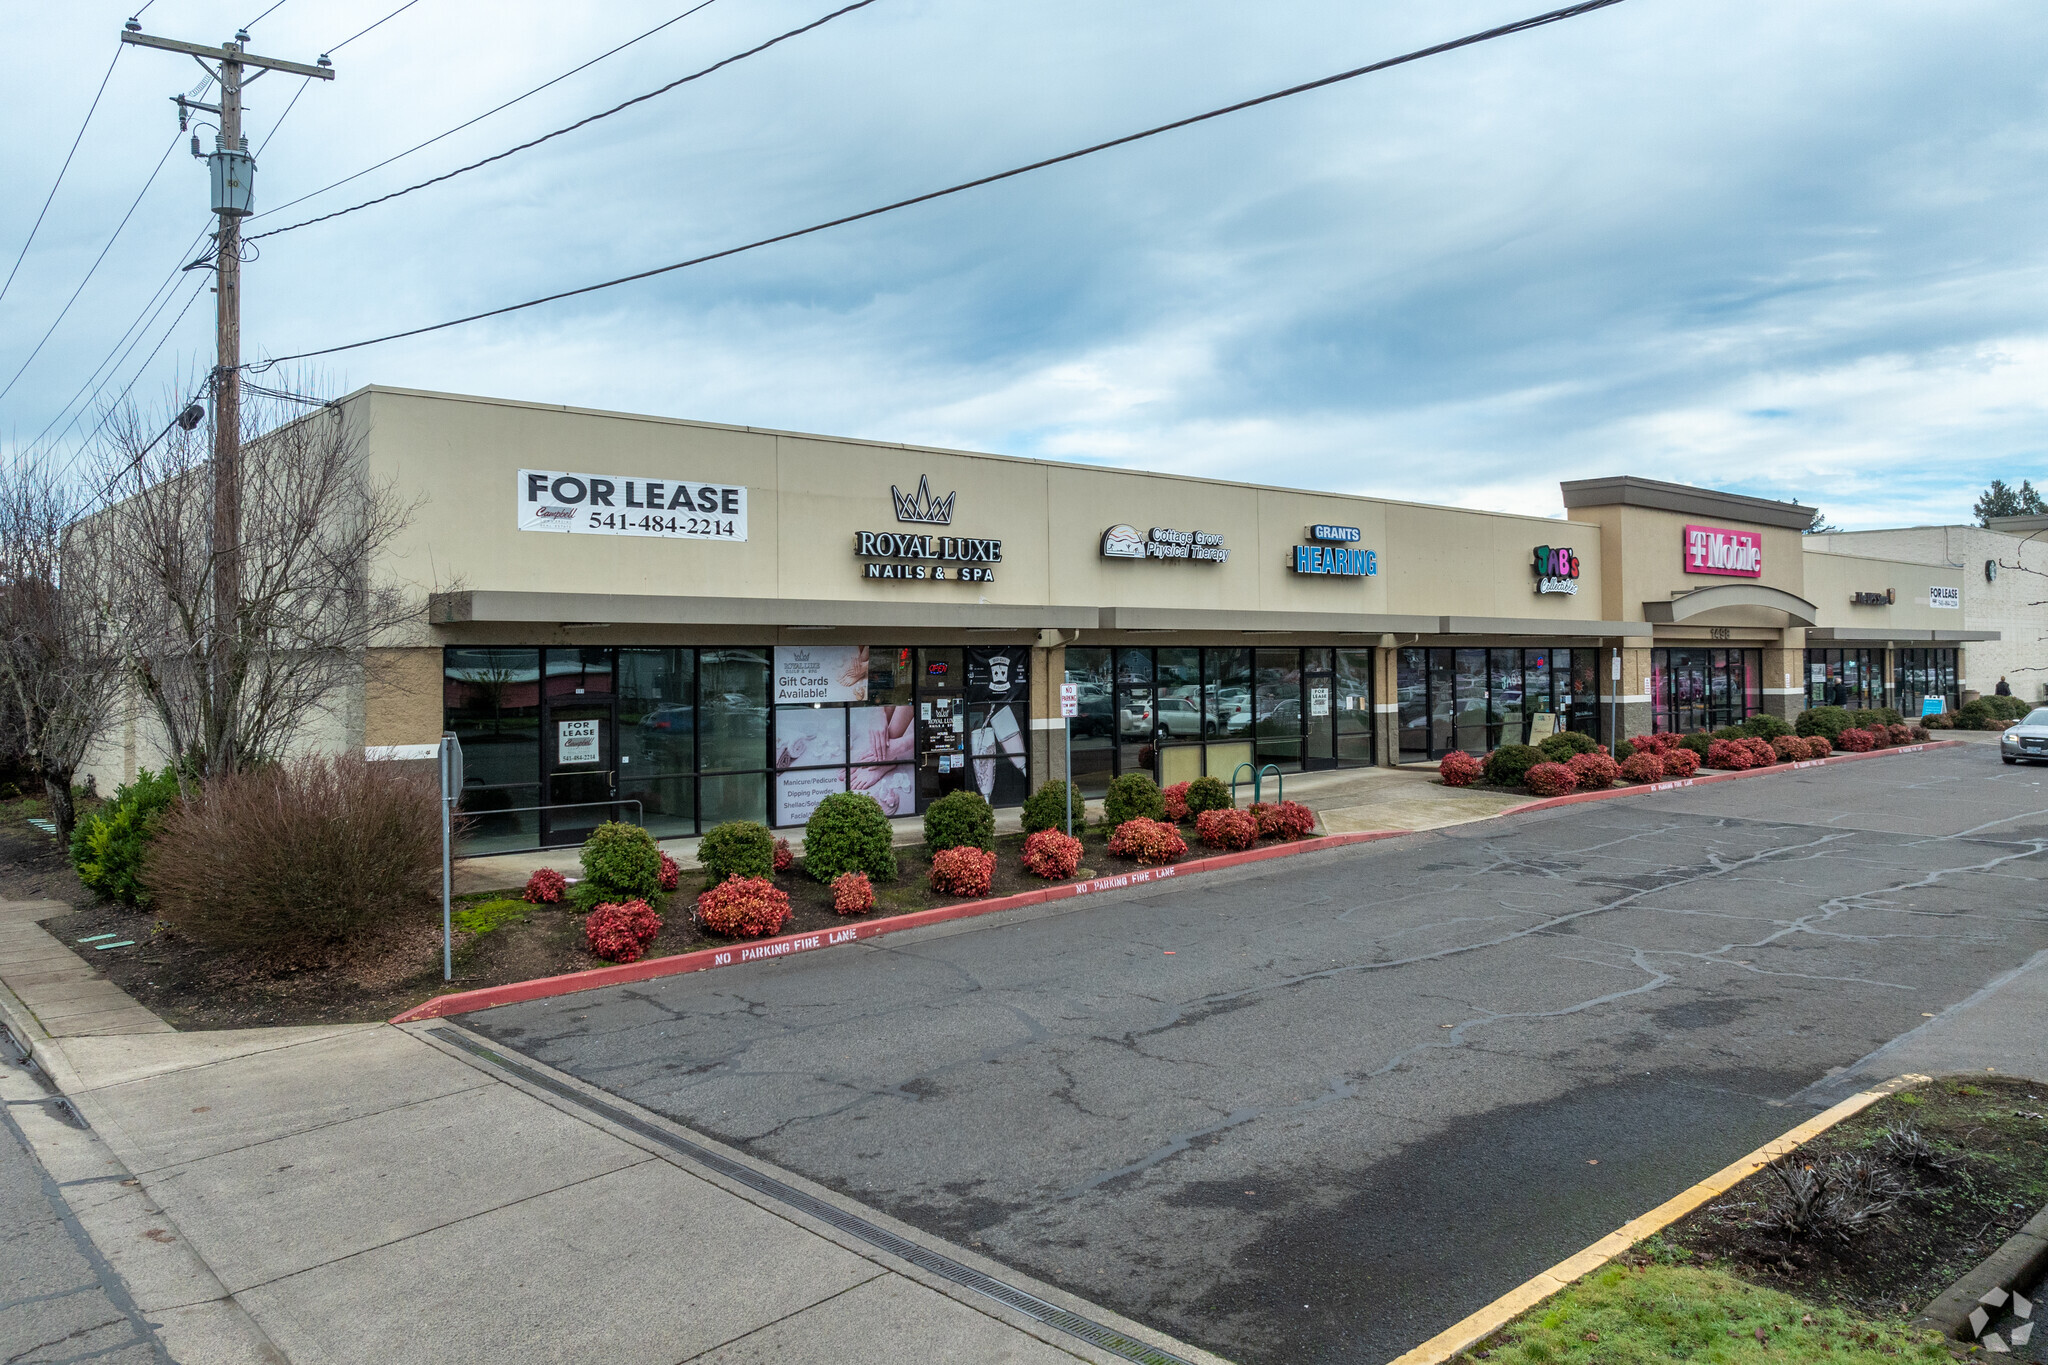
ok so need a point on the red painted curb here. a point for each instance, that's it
(1648, 788)
(542, 987)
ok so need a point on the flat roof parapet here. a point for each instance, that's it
(1625, 490)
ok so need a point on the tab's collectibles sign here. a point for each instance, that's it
(1163, 542)
(1336, 558)
(1718, 550)
(928, 556)
(613, 505)
(1557, 570)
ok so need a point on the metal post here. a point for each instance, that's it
(1614, 702)
(447, 867)
(1067, 723)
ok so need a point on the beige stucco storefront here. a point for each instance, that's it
(1204, 623)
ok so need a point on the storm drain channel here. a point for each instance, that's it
(1030, 1305)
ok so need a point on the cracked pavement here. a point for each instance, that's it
(1322, 1108)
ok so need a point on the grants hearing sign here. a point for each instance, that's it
(615, 505)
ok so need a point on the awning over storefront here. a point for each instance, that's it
(1911, 638)
(1360, 623)
(637, 609)
(1702, 600)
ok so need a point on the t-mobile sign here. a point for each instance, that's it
(1716, 549)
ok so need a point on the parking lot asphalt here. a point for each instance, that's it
(1317, 1110)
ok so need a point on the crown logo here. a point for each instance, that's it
(922, 506)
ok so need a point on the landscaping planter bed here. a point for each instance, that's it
(193, 987)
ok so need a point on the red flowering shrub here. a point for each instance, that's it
(963, 871)
(1818, 746)
(1227, 829)
(1148, 841)
(1595, 771)
(783, 857)
(1552, 779)
(1653, 744)
(1176, 798)
(1789, 748)
(1051, 855)
(671, 875)
(545, 887)
(743, 907)
(1857, 741)
(853, 893)
(1644, 765)
(1287, 820)
(1729, 756)
(1680, 762)
(1459, 769)
(620, 931)
(1900, 734)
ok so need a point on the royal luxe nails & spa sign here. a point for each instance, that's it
(1719, 550)
(925, 558)
(1557, 569)
(619, 505)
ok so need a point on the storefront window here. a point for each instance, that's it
(1094, 729)
(1846, 677)
(491, 704)
(1227, 692)
(1470, 720)
(1134, 717)
(1479, 699)
(1352, 705)
(1704, 689)
(1924, 675)
(732, 691)
(658, 738)
(1277, 708)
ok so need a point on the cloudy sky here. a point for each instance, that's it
(1795, 250)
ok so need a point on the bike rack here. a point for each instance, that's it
(1258, 782)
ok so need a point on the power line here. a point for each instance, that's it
(65, 167)
(63, 312)
(261, 17)
(136, 378)
(545, 137)
(1505, 30)
(385, 20)
(487, 113)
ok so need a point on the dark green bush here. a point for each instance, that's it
(1207, 793)
(1878, 715)
(1764, 726)
(1983, 714)
(1730, 732)
(1826, 721)
(1510, 763)
(622, 858)
(1698, 743)
(1624, 751)
(737, 848)
(961, 819)
(849, 832)
(1047, 807)
(1563, 746)
(1131, 797)
(2007, 708)
(107, 846)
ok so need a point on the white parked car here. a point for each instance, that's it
(2028, 739)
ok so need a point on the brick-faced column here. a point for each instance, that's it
(1785, 676)
(1386, 703)
(1048, 742)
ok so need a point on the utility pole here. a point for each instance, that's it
(234, 185)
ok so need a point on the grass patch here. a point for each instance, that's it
(1626, 1314)
(486, 916)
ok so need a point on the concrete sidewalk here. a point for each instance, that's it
(364, 1193)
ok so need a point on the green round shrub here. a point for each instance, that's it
(622, 858)
(1699, 743)
(737, 848)
(1826, 721)
(1207, 793)
(1566, 745)
(1764, 726)
(849, 832)
(1982, 714)
(1624, 751)
(1133, 796)
(1047, 807)
(961, 819)
(1508, 765)
(1729, 732)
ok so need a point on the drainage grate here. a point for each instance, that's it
(1052, 1315)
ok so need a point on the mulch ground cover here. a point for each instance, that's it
(1989, 1174)
(195, 987)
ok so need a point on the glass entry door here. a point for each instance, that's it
(578, 751)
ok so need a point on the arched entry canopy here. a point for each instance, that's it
(1702, 600)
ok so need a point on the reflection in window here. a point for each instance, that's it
(732, 692)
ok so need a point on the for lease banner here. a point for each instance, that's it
(1719, 550)
(630, 505)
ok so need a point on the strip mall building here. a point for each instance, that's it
(683, 623)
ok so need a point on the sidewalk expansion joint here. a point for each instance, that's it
(945, 1267)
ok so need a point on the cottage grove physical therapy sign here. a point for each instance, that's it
(615, 505)
(1718, 550)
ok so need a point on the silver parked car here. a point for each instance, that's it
(2028, 739)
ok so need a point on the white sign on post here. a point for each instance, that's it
(1070, 700)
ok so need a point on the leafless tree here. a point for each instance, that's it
(57, 660)
(233, 694)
